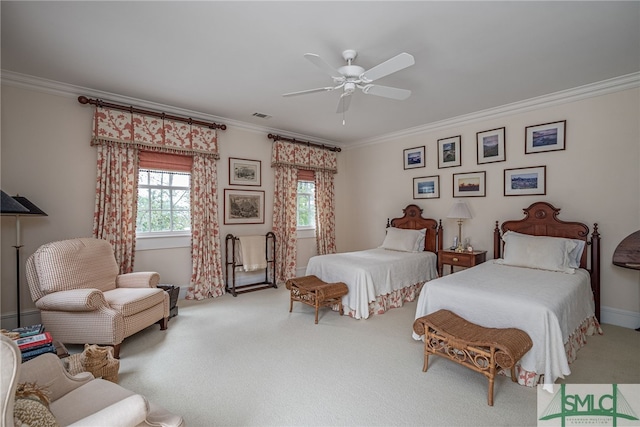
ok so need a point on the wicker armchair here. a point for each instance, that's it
(83, 300)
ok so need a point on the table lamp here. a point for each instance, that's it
(460, 211)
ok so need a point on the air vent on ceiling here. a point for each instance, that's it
(261, 115)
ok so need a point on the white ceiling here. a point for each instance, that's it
(232, 59)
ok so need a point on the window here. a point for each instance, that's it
(164, 205)
(306, 205)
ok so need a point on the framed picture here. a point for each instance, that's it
(414, 158)
(491, 146)
(545, 137)
(525, 181)
(244, 171)
(449, 152)
(426, 187)
(471, 184)
(243, 206)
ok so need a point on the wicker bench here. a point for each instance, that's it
(478, 348)
(312, 291)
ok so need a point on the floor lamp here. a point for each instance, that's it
(18, 206)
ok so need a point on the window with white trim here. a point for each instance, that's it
(164, 203)
(306, 205)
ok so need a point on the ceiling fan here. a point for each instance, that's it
(349, 77)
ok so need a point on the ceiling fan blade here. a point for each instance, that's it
(397, 63)
(322, 64)
(387, 92)
(343, 103)
(304, 92)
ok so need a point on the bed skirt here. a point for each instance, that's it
(576, 341)
(391, 300)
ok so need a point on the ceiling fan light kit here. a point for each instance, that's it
(350, 76)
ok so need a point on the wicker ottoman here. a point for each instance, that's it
(478, 348)
(314, 292)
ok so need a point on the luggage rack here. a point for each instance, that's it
(232, 243)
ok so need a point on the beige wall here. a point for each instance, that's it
(46, 156)
(595, 180)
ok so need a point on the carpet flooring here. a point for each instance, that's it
(247, 361)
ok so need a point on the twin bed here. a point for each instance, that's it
(388, 276)
(544, 279)
(538, 281)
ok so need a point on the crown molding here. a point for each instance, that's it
(604, 87)
(66, 90)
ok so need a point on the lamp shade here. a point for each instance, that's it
(10, 206)
(33, 209)
(18, 205)
(459, 210)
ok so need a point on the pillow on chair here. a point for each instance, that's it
(32, 406)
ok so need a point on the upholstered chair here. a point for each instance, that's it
(83, 300)
(78, 400)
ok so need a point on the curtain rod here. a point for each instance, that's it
(297, 141)
(131, 109)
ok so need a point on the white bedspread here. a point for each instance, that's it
(373, 272)
(548, 305)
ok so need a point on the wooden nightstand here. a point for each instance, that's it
(459, 259)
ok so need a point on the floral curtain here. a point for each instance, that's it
(153, 133)
(285, 221)
(301, 156)
(287, 158)
(120, 136)
(325, 213)
(114, 217)
(207, 278)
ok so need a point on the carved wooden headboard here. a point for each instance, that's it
(541, 219)
(414, 220)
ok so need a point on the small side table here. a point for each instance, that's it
(459, 259)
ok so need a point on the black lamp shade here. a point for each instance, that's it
(11, 206)
(18, 205)
(33, 209)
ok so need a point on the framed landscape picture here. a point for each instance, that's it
(525, 181)
(449, 152)
(426, 187)
(545, 137)
(491, 146)
(470, 184)
(244, 172)
(243, 206)
(414, 158)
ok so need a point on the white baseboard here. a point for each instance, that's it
(183, 292)
(618, 317)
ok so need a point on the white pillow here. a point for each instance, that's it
(399, 239)
(576, 254)
(423, 235)
(541, 252)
